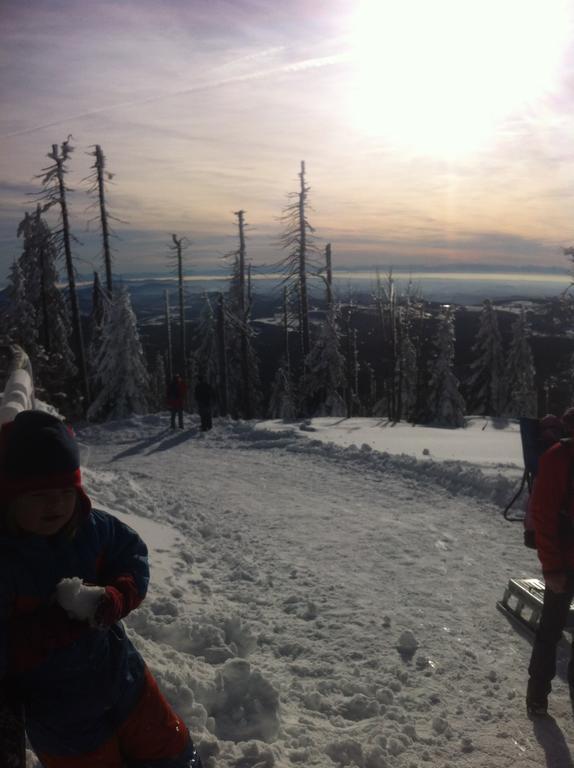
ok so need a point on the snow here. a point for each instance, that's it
(79, 600)
(325, 595)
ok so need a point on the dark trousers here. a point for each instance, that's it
(179, 413)
(542, 667)
(205, 416)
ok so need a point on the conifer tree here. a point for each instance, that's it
(207, 352)
(520, 373)
(97, 180)
(158, 382)
(447, 406)
(407, 365)
(487, 372)
(297, 240)
(54, 193)
(121, 365)
(97, 323)
(324, 380)
(243, 367)
(38, 306)
(19, 319)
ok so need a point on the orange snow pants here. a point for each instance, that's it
(153, 735)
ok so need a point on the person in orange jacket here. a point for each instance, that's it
(176, 400)
(553, 514)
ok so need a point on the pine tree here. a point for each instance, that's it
(297, 240)
(487, 373)
(447, 407)
(97, 180)
(54, 193)
(520, 373)
(325, 372)
(98, 319)
(19, 319)
(282, 401)
(207, 353)
(158, 381)
(407, 365)
(243, 367)
(121, 365)
(324, 380)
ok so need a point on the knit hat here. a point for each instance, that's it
(38, 451)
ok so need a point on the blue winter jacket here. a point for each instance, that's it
(78, 683)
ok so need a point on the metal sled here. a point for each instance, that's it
(522, 602)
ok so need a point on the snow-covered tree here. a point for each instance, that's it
(19, 320)
(158, 383)
(98, 317)
(282, 403)
(243, 367)
(297, 241)
(447, 406)
(207, 353)
(54, 193)
(520, 374)
(324, 380)
(407, 365)
(121, 365)
(487, 369)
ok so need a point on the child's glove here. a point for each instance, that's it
(79, 600)
(117, 601)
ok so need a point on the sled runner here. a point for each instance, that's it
(522, 602)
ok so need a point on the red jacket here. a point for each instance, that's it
(553, 485)
(176, 394)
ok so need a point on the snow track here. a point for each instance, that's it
(314, 605)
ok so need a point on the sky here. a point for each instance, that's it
(434, 134)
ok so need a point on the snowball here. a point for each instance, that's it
(78, 599)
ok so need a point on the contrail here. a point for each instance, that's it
(297, 66)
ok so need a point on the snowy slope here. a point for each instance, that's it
(314, 604)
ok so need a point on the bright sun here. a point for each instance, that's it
(438, 76)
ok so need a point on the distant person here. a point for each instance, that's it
(553, 514)
(69, 573)
(176, 400)
(204, 399)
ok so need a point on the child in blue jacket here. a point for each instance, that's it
(68, 575)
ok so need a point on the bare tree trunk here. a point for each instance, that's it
(100, 165)
(246, 384)
(76, 320)
(329, 281)
(43, 288)
(303, 298)
(223, 393)
(169, 343)
(286, 332)
(178, 245)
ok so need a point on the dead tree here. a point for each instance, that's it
(54, 194)
(297, 240)
(168, 334)
(179, 243)
(98, 186)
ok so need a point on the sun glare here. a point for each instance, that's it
(438, 76)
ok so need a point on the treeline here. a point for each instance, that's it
(95, 366)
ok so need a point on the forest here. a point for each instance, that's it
(390, 354)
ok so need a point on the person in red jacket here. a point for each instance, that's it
(553, 514)
(176, 400)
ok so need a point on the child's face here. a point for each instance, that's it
(44, 512)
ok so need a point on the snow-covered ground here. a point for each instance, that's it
(325, 594)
